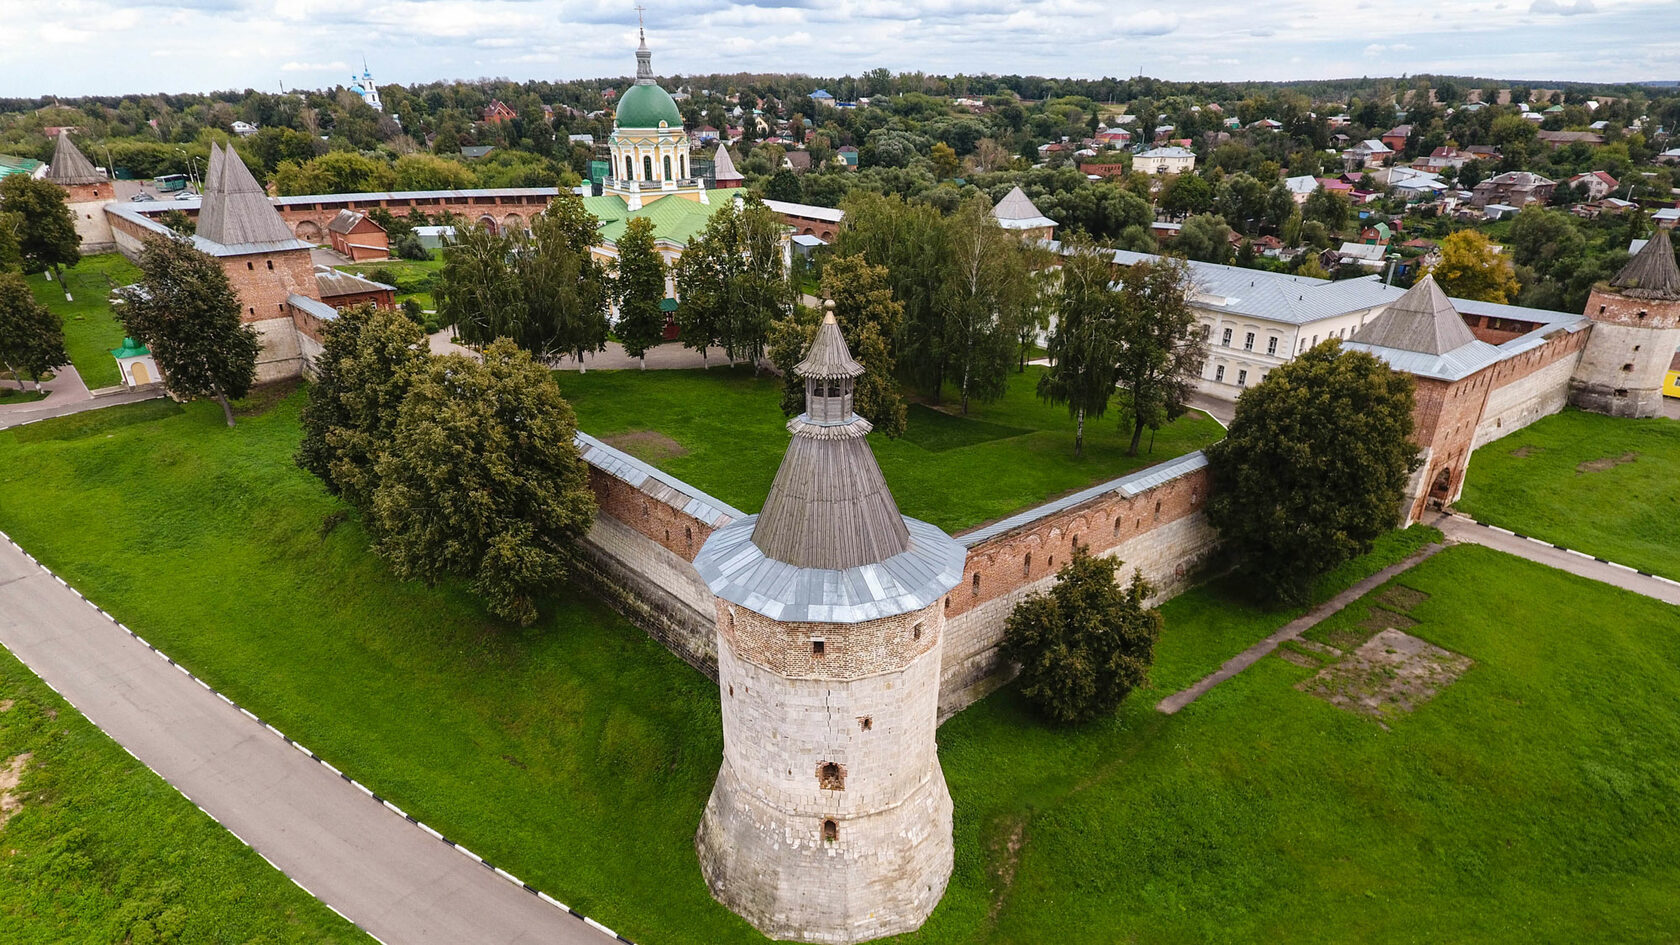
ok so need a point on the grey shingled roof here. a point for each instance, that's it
(723, 166)
(332, 282)
(829, 357)
(1422, 320)
(315, 307)
(1016, 211)
(738, 571)
(69, 165)
(345, 221)
(1651, 273)
(235, 210)
(829, 506)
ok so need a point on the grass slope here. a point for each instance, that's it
(90, 328)
(956, 472)
(1605, 486)
(103, 850)
(1535, 794)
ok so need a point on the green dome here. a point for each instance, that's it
(645, 106)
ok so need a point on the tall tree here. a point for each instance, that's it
(1161, 347)
(477, 291)
(639, 288)
(1085, 645)
(31, 335)
(989, 294)
(912, 242)
(506, 515)
(1313, 467)
(46, 229)
(185, 310)
(868, 316)
(732, 284)
(566, 290)
(1471, 269)
(369, 356)
(1084, 347)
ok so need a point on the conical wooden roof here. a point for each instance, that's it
(723, 166)
(1651, 273)
(69, 165)
(1422, 320)
(830, 507)
(829, 357)
(236, 210)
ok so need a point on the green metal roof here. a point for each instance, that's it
(12, 164)
(645, 106)
(130, 349)
(667, 305)
(675, 219)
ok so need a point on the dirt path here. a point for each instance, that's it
(1291, 630)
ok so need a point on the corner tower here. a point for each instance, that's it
(86, 194)
(1636, 328)
(830, 820)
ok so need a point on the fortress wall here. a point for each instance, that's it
(1153, 521)
(639, 554)
(650, 526)
(1539, 387)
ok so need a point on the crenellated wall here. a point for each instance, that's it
(651, 525)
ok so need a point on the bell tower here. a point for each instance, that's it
(1636, 327)
(830, 820)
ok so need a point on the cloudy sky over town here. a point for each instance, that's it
(72, 47)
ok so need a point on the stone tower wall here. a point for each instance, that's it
(87, 204)
(830, 820)
(1627, 355)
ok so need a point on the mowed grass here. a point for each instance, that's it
(91, 330)
(1609, 487)
(101, 849)
(1531, 800)
(956, 472)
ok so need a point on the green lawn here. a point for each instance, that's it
(90, 329)
(11, 395)
(1605, 486)
(953, 471)
(1535, 794)
(103, 850)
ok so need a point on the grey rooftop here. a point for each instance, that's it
(739, 572)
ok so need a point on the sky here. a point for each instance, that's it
(79, 47)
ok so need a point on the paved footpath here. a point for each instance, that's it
(1290, 631)
(394, 878)
(68, 395)
(1464, 529)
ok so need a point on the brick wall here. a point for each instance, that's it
(1530, 385)
(1626, 359)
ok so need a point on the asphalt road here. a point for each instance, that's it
(383, 872)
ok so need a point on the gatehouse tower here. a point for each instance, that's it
(830, 820)
(1636, 327)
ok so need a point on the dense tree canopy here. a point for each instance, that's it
(188, 314)
(31, 335)
(1085, 645)
(1313, 467)
(505, 515)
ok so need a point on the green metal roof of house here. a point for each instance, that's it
(667, 305)
(12, 164)
(675, 219)
(130, 349)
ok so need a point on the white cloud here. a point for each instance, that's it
(72, 47)
(314, 66)
(1562, 9)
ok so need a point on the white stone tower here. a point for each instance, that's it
(1636, 327)
(364, 86)
(830, 820)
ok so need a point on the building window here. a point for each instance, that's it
(1315, 341)
(916, 631)
(830, 830)
(816, 647)
(1248, 342)
(629, 168)
(1026, 565)
(1225, 339)
(1242, 378)
(668, 174)
(647, 167)
(1271, 346)
(831, 777)
(866, 723)
(271, 264)
(250, 265)
(977, 583)
(1207, 330)
(1219, 373)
